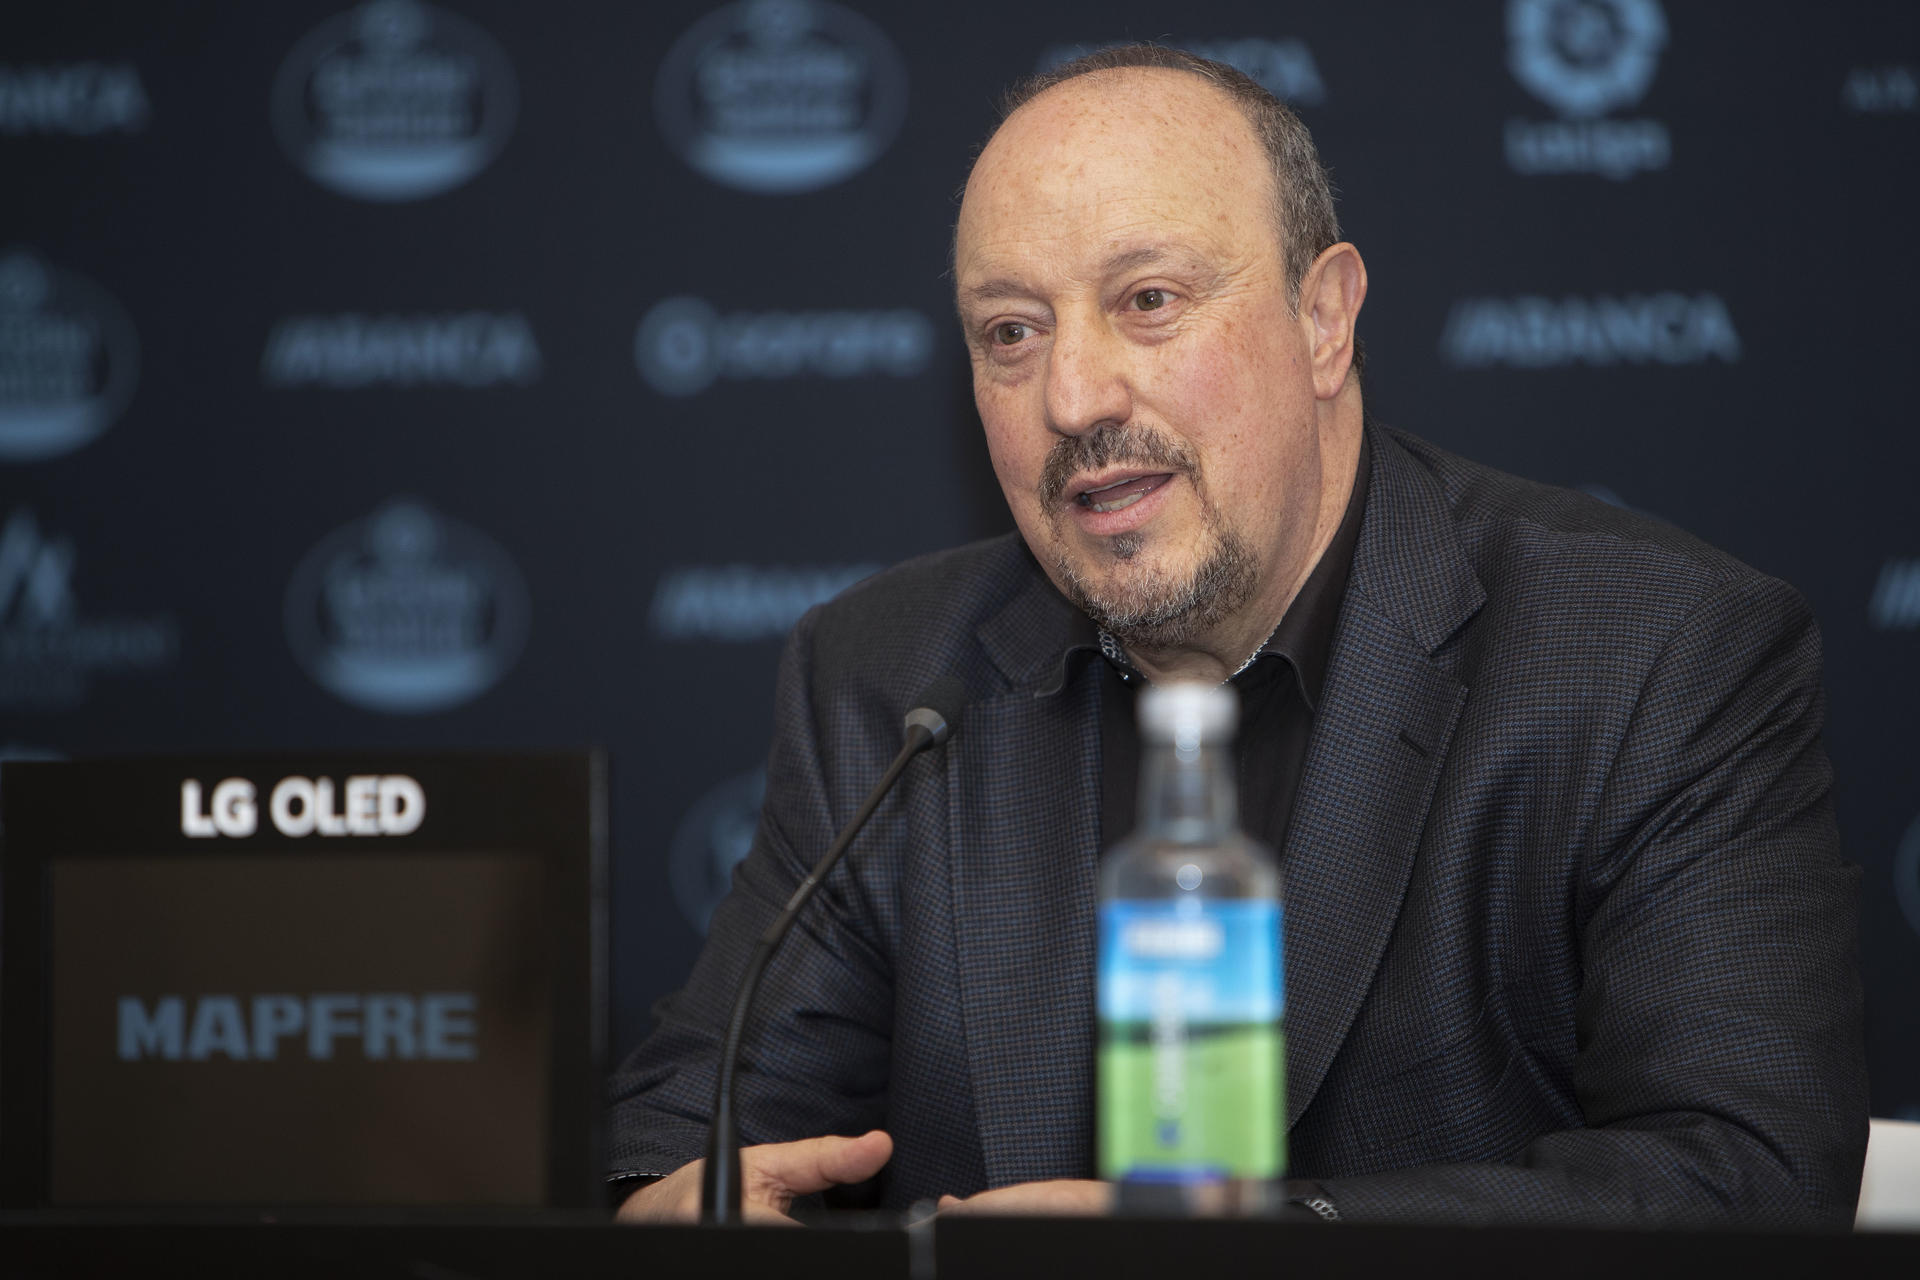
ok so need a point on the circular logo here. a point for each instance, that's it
(1585, 57)
(395, 100)
(777, 96)
(1906, 875)
(711, 841)
(68, 359)
(406, 611)
(675, 347)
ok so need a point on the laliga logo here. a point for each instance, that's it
(407, 612)
(393, 805)
(711, 841)
(394, 101)
(68, 359)
(1585, 58)
(779, 96)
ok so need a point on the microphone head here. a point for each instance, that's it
(939, 709)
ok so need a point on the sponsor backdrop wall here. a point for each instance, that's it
(480, 373)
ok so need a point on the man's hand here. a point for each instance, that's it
(1065, 1197)
(770, 1177)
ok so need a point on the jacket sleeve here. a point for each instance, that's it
(1719, 1061)
(815, 1057)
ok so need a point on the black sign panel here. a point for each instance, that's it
(302, 980)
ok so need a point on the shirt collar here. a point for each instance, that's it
(1304, 638)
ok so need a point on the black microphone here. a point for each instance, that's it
(928, 724)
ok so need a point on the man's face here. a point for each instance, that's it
(1145, 388)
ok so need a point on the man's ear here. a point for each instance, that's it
(1331, 295)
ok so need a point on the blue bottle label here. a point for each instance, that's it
(1192, 1065)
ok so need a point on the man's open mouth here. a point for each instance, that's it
(1121, 494)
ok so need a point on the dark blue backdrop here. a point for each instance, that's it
(497, 374)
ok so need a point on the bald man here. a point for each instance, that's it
(1569, 933)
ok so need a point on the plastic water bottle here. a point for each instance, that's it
(1192, 1068)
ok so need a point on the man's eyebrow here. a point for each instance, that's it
(1146, 255)
(994, 290)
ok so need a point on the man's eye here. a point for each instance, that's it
(1150, 299)
(1009, 334)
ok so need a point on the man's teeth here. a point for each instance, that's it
(1119, 504)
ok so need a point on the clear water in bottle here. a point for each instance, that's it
(1192, 1058)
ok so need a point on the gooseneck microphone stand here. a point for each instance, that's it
(928, 724)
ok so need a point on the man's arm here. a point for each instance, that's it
(820, 1067)
(1719, 1059)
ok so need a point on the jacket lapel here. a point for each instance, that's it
(1385, 719)
(1381, 733)
(1024, 783)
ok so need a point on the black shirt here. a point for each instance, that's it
(1278, 691)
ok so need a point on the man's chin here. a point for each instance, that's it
(1155, 606)
(1154, 614)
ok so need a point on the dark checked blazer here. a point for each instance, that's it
(1569, 935)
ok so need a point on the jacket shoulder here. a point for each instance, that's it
(1522, 535)
(908, 625)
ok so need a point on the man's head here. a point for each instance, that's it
(1303, 211)
(1161, 385)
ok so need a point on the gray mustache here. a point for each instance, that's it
(1106, 447)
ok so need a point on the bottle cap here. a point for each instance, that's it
(1187, 712)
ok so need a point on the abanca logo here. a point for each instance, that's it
(743, 602)
(348, 352)
(69, 359)
(1553, 333)
(780, 96)
(394, 101)
(407, 612)
(79, 99)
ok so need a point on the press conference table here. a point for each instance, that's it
(958, 1249)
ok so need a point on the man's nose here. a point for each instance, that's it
(1087, 382)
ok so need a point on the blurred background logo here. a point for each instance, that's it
(744, 602)
(395, 100)
(1585, 58)
(407, 611)
(1553, 333)
(350, 351)
(1906, 875)
(778, 96)
(50, 651)
(683, 345)
(711, 840)
(1896, 596)
(69, 359)
(81, 99)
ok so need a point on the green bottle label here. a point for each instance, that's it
(1192, 1073)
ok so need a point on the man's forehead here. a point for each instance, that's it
(1139, 161)
(1139, 112)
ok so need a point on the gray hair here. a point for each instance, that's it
(1303, 196)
